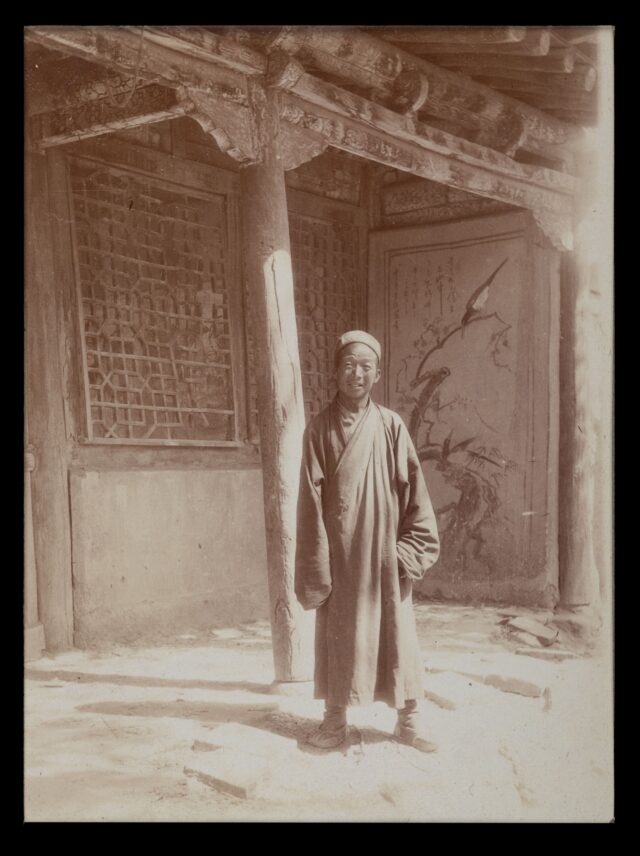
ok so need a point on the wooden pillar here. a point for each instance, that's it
(269, 274)
(579, 583)
(586, 478)
(33, 630)
(45, 409)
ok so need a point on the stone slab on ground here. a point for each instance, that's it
(527, 639)
(450, 690)
(233, 736)
(230, 771)
(226, 633)
(544, 616)
(581, 625)
(546, 635)
(555, 655)
(514, 685)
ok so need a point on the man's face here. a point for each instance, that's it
(357, 371)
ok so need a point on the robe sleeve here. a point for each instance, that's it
(313, 568)
(418, 545)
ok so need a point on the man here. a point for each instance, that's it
(366, 531)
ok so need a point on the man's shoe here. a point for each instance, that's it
(413, 737)
(332, 731)
(326, 738)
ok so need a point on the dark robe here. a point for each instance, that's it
(366, 531)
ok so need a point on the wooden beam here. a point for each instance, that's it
(217, 95)
(583, 118)
(363, 114)
(352, 54)
(141, 106)
(451, 35)
(203, 44)
(558, 43)
(269, 276)
(536, 42)
(360, 58)
(147, 54)
(360, 139)
(576, 100)
(561, 63)
(581, 81)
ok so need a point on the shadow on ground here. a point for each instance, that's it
(140, 681)
(265, 716)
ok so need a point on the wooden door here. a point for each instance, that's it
(468, 316)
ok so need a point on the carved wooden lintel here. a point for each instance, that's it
(360, 139)
(141, 105)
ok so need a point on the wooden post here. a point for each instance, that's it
(33, 630)
(586, 374)
(267, 260)
(45, 408)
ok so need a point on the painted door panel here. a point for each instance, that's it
(467, 313)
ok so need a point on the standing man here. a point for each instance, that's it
(366, 531)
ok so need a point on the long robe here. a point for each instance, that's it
(366, 531)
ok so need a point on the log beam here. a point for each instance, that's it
(350, 54)
(269, 275)
(361, 59)
(536, 42)
(451, 35)
(580, 81)
(185, 56)
(562, 62)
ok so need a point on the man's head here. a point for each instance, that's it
(357, 365)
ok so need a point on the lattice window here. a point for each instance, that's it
(154, 309)
(325, 258)
(325, 272)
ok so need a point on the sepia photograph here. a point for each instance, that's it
(318, 424)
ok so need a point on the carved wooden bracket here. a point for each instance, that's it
(556, 227)
(227, 120)
(283, 71)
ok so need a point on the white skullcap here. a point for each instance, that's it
(362, 338)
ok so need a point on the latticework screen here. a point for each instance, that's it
(152, 282)
(328, 295)
(325, 256)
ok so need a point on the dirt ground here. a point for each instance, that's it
(130, 733)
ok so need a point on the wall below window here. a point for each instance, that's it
(159, 553)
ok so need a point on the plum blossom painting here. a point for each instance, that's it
(468, 361)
